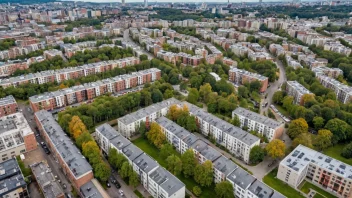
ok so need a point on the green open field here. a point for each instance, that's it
(335, 152)
(271, 180)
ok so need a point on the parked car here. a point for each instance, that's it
(108, 184)
(115, 182)
(121, 192)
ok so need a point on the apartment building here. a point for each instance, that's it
(240, 77)
(50, 54)
(296, 90)
(337, 47)
(8, 68)
(259, 56)
(237, 141)
(68, 73)
(229, 62)
(276, 49)
(247, 186)
(8, 105)
(158, 181)
(265, 126)
(72, 49)
(16, 136)
(89, 91)
(19, 51)
(292, 62)
(12, 183)
(128, 124)
(93, 189)
(240, 50)
(73, 163)
(328, 71)
(325, 172)
(177, 136)
(48, 185)
(343, 92)
(163, 184)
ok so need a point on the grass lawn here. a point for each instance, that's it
(280, 186)
(317, 195)
(306, 186)
(152, 151)
(282, 110)
(335, 152)
(139, 194)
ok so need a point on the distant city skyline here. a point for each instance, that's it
(183, 1)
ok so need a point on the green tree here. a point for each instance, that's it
(133, 178)
(155, 135)
(193, 96)
(102, 171)
(83, 138)
(143, 57)
(276, 149)
(124, 172)
(204, 92)
(120, 159)
(191, 124)
(189, 163)
(347, 151)
(323, 139)
(112, 157)
(174, 164)
(224, 189)
(339, 129)
(142, 129)
(157, 96)
(318, 122)
(278, 97)
(236, 121)
(297, 127)
(304, 138)
(197, 191)
(203, 174)
(166, 150)
(168, 94)
(256, 155)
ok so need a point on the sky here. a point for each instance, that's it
(186, 1)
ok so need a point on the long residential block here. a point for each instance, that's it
(158, 181)
(325, 172)
(296, 90)
(240, 77)
(70, 159)
(237, 141)
(6, 69)
(68, 73)
(8, 105)
(343, 92)
(12, 183)
(48, 185)
(89, 91)
(16, 136)
(268, 127)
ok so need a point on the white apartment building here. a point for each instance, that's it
(293, 88)
(16, 136)
(128, 124)
(158, 181)
(325, 172)
(343, 92)
(328, 71)
(164, 184)
(268, 127)
(237, 141)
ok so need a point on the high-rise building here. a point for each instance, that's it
(145, 3)
(123, 2)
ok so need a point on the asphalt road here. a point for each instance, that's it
(39, 153)
(274, 87)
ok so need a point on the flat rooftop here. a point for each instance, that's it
(68, 151)
(7, 100)
(298, 87)
(302, 156)
(271, 123)
(167, 181)
(42, 173)
(11, 177)
(93, 189)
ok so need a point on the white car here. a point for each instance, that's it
(121, 192)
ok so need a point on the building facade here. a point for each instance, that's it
(8, 105)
